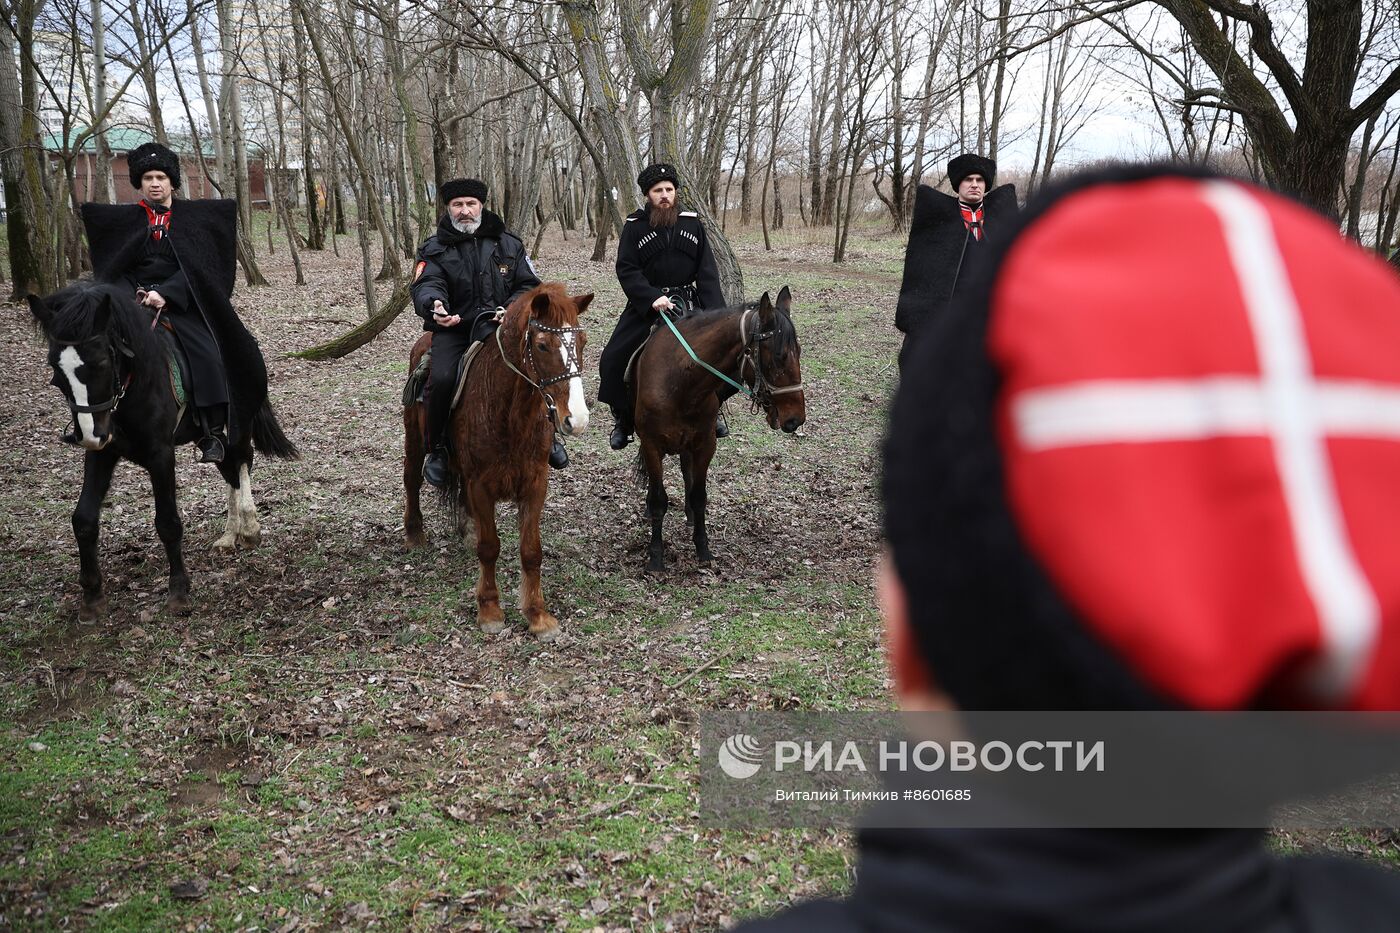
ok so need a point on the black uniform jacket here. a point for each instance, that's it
(203, 236)
(650, 259)
(942, 252)
(1096, 881)
(470, 272)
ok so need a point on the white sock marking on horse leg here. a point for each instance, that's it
(69, 361)
(229, 539)
(250, 532)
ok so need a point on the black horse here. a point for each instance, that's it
(117, 373)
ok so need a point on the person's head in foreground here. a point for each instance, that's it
(1152, 462)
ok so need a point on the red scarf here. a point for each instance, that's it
(158, 224)
(972, 219)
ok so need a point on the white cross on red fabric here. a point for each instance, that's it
(1204, 450)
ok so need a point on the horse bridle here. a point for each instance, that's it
(574, 368)
(119, 384)
(763, 390)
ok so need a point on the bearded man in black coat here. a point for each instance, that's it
(177, 257)
(664, 263)
(467, 272)
(946, 237)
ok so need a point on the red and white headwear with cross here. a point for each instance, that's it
(1203, 448)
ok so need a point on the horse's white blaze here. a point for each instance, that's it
(578, 407)
(69, 361)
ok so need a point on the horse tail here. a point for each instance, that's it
(639, 469)
(268, 436)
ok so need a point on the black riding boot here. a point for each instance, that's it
(558, 456)
(213, 445)
(435, 466)
(435, 412)
(721, 426)
(622, 429)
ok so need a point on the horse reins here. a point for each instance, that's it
(118, 390)
(574, 368)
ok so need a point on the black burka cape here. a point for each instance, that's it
(941, 252)
(203, 235)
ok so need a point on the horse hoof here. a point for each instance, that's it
(180, 604)
(706, 563)
(543, 624)
(656, 566)
(491, 628)
(415, 540)
(89, 613)
(227, 543)
(250, 539)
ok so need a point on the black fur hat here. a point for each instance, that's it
(462, 188)
(152, 157)
(656, 173)
(971, 164)
(1091, 507)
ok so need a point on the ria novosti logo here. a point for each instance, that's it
(740, 756)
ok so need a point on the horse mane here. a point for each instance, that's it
(72, 309)
(515, 325)
(785, 333)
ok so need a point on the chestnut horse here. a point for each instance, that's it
(525, 385)
(676, 405)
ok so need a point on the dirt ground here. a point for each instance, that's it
(327, 740)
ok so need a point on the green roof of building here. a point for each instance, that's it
(123, 139)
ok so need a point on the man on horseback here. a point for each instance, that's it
(664, 263)
(467, 273)
(175, 269)
(946, 237)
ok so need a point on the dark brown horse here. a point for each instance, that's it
(526, 384)
(676, 405)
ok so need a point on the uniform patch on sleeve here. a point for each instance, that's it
(689, 214)
(418, 269)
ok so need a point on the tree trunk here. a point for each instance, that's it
(357, 337)
(28, 216)
(148, 75)
(348, 129)
(600, 89)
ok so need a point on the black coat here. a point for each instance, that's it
(648, 260)
(203, 234)
(1096, 881)
(470, 272)
(942, 251)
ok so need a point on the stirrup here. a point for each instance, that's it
(435, 467)
(211, 449)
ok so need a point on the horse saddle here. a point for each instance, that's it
(417, 382)
(179, 367)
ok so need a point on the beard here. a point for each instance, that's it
(663, 216)
(466, 226)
